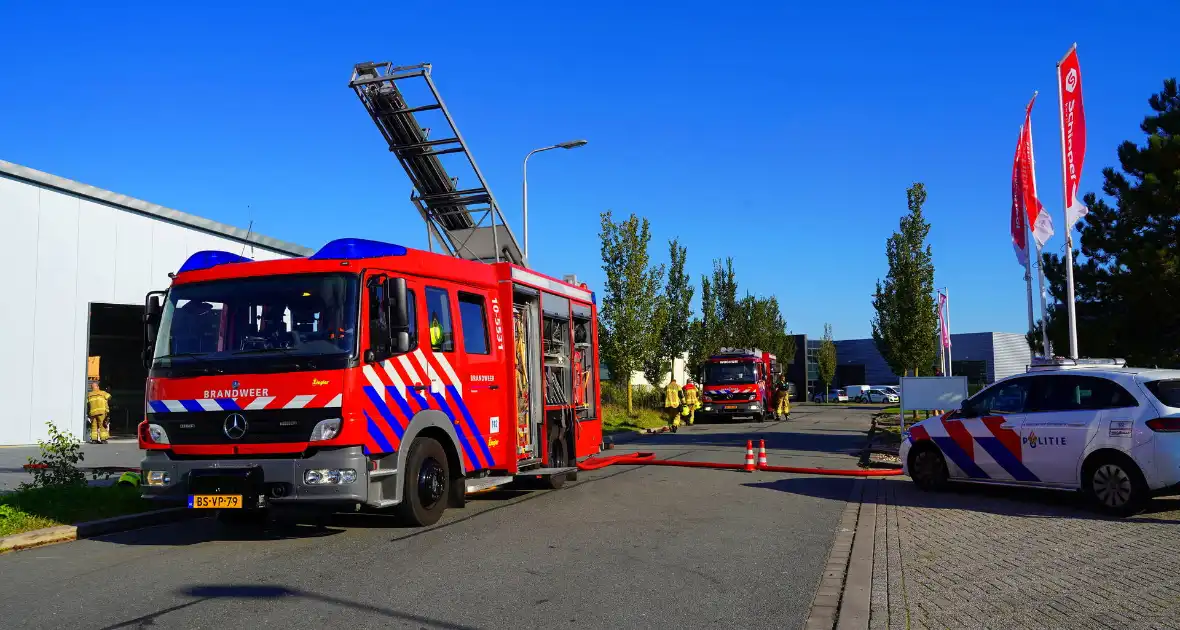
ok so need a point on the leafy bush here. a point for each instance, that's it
(642, 396)
(58, 464)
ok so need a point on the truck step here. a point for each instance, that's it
(382, 472)
(541, 473)
(487, 483)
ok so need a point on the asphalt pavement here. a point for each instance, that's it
(652, 547)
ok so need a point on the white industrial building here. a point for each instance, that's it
(79, 262)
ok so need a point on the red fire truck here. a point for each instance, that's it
(367, 374)
(370, 375)
(739, 383)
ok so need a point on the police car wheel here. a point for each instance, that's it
(1116, 486)
(928, 469)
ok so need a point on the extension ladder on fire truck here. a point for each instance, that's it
(466, 222)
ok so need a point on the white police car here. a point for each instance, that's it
(1097, 426)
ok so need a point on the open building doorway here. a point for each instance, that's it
(116, 338)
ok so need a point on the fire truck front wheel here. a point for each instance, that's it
(427, 483)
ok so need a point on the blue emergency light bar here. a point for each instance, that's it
(355, 249)
(209, 258)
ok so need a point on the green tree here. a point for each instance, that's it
(630, 301)
(676, 311)
(787, 350)
(826, 358)
(728, 306)
(703, 328)
(1127, 275)
(905, 326)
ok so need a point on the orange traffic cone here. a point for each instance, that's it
(761, 454)
(749, 456)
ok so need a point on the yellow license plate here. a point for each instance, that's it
(215, 501)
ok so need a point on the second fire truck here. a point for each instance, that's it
(739, 383)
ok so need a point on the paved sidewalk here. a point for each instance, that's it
(120, 452)
(1012, 558)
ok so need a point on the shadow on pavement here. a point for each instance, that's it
(777, 440)
(195, 532)
(257, 592)
(1006, 501)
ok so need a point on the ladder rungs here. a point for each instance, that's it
(411, 110)
(388, 77)
(422, 145)
(441, 152)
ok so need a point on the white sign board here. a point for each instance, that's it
(927, 393)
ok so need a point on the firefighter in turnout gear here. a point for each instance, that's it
(436, 333)
(98, 411)
(783, 410)
(692, 402)
(672, 395)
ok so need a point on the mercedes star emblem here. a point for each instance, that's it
(235, 426)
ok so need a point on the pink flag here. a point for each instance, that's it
(944, 332)
(1019, 231)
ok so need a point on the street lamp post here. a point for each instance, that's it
(572, 144)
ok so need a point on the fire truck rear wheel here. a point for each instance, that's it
(558, 456)
(427, 483)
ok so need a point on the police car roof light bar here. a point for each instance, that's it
(209, 258)
(1053, 363)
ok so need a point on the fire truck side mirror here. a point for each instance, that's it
(152, 311)
(399, 315)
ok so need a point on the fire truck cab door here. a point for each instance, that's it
(483, 389)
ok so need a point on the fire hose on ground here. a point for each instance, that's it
(640, 458)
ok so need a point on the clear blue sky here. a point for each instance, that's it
(784, 137)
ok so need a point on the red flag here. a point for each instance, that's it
(1073, 133)
(1024, 187)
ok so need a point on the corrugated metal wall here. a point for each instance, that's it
(1003, 354)
(60, 252)
(1011, 355)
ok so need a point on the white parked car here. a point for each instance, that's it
(878, 396)
(836, 395)
(1110, 431)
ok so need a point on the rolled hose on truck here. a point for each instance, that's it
(648, 459)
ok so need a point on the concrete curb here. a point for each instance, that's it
(90, 529)
(827, 607)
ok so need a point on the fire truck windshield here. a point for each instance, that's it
(252, 319)
(737, 372)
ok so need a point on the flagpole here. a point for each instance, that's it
(950, 353)
(1028, 240)
(1032, 162)
(1073, 322)
(941, 347)
(1028, 283)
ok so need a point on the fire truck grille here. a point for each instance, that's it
(263, 426)
(743, 396)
